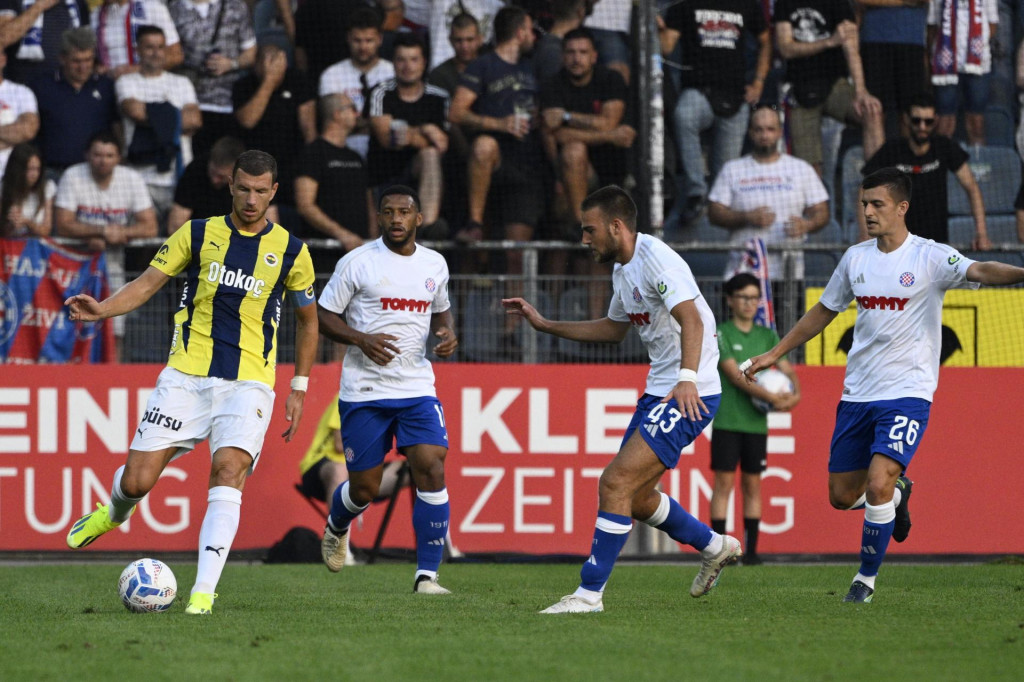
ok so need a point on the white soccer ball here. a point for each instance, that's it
(773, 381)
(147, 585)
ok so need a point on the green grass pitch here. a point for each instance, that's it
(774, 622)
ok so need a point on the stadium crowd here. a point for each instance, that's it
(501, 115)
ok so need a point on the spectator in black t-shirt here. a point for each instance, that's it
(202, 190)
(276, 109)
(927, 158)
(496, 101)
(408, 123)
(714, 87)
(582, 116)
(547, 53)
(319, 29)
(820, 43)
(331, 190)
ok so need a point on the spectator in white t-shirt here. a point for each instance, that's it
(26, 200)
(19, 117)
(106, 205)
(356, 76)
(768, 194)
(150, 85)
(117, 24)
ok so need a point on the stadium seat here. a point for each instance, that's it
(853, 161)
(706, 263)
(999, 127)
(997, 170)
(820, 264)
(1002, 229)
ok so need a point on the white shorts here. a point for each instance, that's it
(184, 410)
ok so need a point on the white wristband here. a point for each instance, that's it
(300, 384)
(745, 365)
(688, 375)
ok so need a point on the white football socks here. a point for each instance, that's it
(120, 504)
(224, 507)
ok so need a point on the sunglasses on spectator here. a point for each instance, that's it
(919, 120)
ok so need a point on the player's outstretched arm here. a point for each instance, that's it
(85, 308)
(442, 325)
(306, 337)
(994, 273)
(603, 330)
(810, 325)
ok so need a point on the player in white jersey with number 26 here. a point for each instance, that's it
(654, 291)
(393, 293)
(898, 280)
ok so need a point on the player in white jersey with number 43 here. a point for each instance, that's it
(654, 291)
(393, 293)
(898, 280)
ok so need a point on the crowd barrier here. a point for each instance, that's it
(526, 450)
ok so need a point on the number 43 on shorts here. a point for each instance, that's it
(667, 424)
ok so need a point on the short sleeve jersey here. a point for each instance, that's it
(711, 36)
(334, 167)
(645, 290)
(898, 333)
(736, 412)
(118, 204)
(226, 325)
(929, 207)
(813, 21)
(787, 186)
(381, 292)
(605, 85)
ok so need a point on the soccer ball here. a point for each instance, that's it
(147, 585)
(773, 381)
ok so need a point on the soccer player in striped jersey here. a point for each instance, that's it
(219, 379)
(393, 294)
(898, 280)
(653, 290)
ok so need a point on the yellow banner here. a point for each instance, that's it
(983, 328)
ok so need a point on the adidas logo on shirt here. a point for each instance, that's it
(860, 279)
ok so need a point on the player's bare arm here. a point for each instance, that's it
(442, 325)
(690, 337)
(374, 346)
(994, 273)
(810, 325)
(603, 330)
(306, 338)
(780, 402)
(85, 308)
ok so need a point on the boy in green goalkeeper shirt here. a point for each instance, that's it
(740, 430)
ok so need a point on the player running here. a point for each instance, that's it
(654, 291)
(393, 293)
(898, 280)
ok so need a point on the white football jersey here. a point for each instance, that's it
(381, 292)
(645, 290)
(898, 333)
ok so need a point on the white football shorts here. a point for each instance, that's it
(184, 410)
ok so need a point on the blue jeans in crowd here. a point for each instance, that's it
(693, 115)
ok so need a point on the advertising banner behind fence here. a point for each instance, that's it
(528, 444)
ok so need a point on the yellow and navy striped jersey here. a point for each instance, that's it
(226, 325)
(322, 446)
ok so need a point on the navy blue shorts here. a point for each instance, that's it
(368, 429)
(665, 428)
(887, 427)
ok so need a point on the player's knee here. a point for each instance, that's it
(135, 484)
(363, 492)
